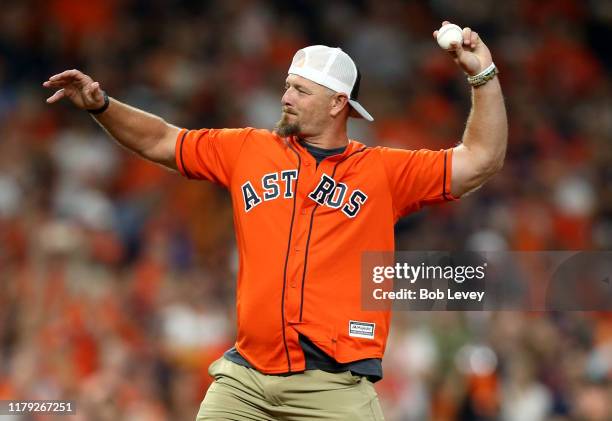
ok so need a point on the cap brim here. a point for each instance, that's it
(360, 112)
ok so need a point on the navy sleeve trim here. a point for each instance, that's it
(181, 155)
(444, 194)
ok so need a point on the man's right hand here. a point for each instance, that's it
(77, 87)
(146, 134)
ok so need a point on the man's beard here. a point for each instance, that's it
(285, 129)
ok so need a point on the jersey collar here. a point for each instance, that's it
(352, 146)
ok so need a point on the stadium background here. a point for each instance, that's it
(117, 277)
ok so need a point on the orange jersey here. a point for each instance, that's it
(301, 230)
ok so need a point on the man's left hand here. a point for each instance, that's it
(472, 56)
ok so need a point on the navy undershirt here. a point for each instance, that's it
(315, 358)
(320, 154)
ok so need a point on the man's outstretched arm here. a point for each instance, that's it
(146, 134)
(483, 148)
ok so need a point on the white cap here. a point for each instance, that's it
(332, 68)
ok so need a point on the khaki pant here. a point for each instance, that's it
(240, 393)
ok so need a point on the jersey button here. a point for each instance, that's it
(307, 163)
(297, 249)
(303, 212)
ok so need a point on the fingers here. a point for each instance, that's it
(455, 50)
(56, 96)
(475, 39)
(94, 89)
(58, 82)
(62, 79)
(94, 93)
(435, 33)
(55, 84)
(470, 37)
(66, 74)
(468, 51)
(77, 86)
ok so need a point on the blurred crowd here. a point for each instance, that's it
(117, 277)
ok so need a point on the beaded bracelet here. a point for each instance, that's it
(484, 76)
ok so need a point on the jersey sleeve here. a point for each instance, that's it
(209, 154)
(417, 178)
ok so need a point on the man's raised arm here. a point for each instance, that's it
(146, 134)
(483, 147)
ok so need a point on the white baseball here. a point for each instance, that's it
(449, 33)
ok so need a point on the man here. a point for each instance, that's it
(307, 202)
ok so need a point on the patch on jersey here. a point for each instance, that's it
(361, 329)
